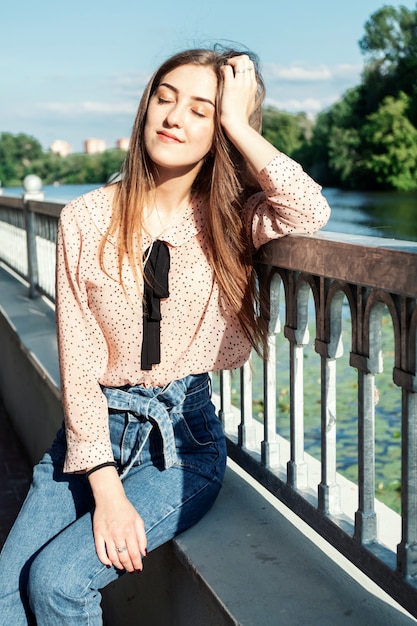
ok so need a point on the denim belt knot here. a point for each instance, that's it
(155, 404)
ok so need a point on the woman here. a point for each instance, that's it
(154, 289)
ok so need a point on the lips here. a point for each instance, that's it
(168, 137)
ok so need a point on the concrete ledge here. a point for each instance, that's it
(268, 567)
(249, 562)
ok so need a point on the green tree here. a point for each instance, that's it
(390, 38)
(18, 153)
(22, 154)
(391, 145)
(285, 131)
(111, 162)
(345, 155)
(368, 139)
(390, 48)
(334, 153)
(314, 154)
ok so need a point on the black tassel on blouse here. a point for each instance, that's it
(156, 268)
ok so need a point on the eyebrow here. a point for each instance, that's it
(198, 98)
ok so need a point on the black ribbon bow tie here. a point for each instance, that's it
(156, 268)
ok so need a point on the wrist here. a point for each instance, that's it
(105, 482)
(234, 126)
(99, 467)
(241, 134)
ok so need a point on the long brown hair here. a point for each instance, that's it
(224, 181)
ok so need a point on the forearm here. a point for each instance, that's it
(256, 150)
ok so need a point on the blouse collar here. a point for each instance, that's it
(99, 205)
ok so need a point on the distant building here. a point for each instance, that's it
(60, 147)
(123, 143)
(94, 146)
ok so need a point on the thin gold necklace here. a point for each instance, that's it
(177, 215)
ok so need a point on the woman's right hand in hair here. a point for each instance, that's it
(239, 92)
(116, 523)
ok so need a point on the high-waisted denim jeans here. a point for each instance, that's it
(170, 450)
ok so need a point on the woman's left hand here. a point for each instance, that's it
(119, 531)
(239, 92)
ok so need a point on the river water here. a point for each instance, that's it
(377, 214)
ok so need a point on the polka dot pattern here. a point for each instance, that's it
(100, 327)
(295, 203)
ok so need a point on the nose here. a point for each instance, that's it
(175, 116)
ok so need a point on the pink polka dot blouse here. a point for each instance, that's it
(100, 325)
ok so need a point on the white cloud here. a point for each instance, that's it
(129, 85)
(123, 91)
(310, 106)
(347, 71)
(294, 105)
(302, 73)
(88, 107)
(297, 73)
(296, 87)
(301, 87)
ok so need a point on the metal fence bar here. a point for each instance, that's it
(297, 333)
(328, 489)
(28, 241)
(330, 347)
(270, 451)
(407, 549)
(270, 448)
(226, 413)
(365, 520)
(246, 429)
(13, 241)
(31, 252)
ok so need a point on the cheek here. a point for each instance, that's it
(147, 129)
(153, 115)
(205, 138)
(148, 120)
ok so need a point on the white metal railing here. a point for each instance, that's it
(308, 284)
(28, 241)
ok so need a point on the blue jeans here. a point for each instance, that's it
(49, 570)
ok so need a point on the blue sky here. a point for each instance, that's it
(74, 70)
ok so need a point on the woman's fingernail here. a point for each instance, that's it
(146, 551)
